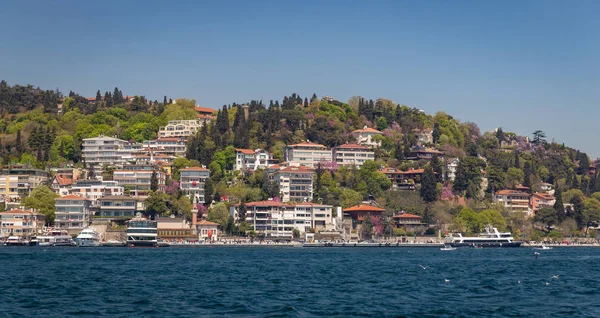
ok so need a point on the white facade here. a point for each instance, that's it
(307, 154)
(179, 128)
(138, 181)
(72, 213)
(192, 182)
(246, 159)
(424, 136)
(23, 223)
(451, 166)
(295, 183)
(352, 154)
(277, 219)
(175, 146)
(105, 150)
(514, 201)
(94, 189)
(365, 137)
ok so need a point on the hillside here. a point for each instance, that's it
(34, 131)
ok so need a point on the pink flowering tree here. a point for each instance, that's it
(377, 225)
(172, 188)
(201, 210)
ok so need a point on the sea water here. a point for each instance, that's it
(298, 282)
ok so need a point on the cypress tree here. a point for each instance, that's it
(575, 184)
(559, 207)
(569, 179)
(154, 181)
(585, 185)
(527, 175)
(517, 160)
(436, 133)
(98, 97)
(242, 211)
(19, 144)
(428, 185)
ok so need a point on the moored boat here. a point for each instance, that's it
(142, 232)
(490, 238)
(88, 238)
(16, 241)
(55, 238)
(447, 248)
(543, 247)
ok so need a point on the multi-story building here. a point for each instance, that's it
(171, 146)
(307, 154)
(95, 189)
(179, 128)
(295, 183)
(540, 200)
(418, 153)
(514, 201)
(23, 223)
(191, 182)
(204, 114)
(120, 206)
(103, 150)
(72, 213)
(451, 167)
(17, 181)
(138, 178)
(61, 184)
(352, 154)
(424, 136)
(401, 180)
(247, 159)
(278, 219)
(365, 137)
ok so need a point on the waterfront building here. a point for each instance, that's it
(514, 201)
(191, 182)
(137, 178)
(73, 213)
(295, 183)
(120, 206)
(61, 184)
(352, 154)
(169, 146)
(22, 223)
(407, 221)
(247, 159)
(366, 136)
(174, 229)
(354, 216)
(279, 220)
(179, 128)
(95, 189)
(307, 154)
(17, 181)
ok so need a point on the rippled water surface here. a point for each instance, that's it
(298, 282)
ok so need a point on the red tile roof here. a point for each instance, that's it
(297, 169)
(63, 180)
(19, 211)
(351, 146)
(204, 222)
(194, 169)
(71, 197)
(511, 192)
(265, 203)
(245, 151)
(363, 208)
(308, 144)
(204, 110)
(368, 130)
(406, 216)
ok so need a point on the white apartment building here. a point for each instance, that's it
(180, 128)
(352, 154)
(424, 136)
(295, 183)
(72, 213)
(307, 154)
(513, 200)
(170, 146)
(191, 182)
(247, 159)
(365, 137)
(137, 178)
(102, 150)
(18, 181)
(93, 190)
(278, 220)
(451, 167)
(23, 223)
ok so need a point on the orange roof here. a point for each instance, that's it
(205, 110)
(363, 208)
(351, 146)
(245, 151)
(544, 196)
(91, 99)
(205, 222)
(62, 180)
(368, 130)
(19, 211)
(264, 203)
(510, 192)
(406, 216)
(307, 144)
(194, 169)
(71, 197)
(297, 169)
(521, 187)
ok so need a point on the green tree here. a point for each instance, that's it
(155, 204)
(154, 181)
(242, 212)
(428, 186)
(547, 216)
(366, 229)
(218, 214)
(514, 176)
(559, 208)
(436, 133)
(43, 200)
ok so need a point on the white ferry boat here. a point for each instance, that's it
(490, 238)
(141, 232)
(55, 238)
(88, 238)
(16, 241)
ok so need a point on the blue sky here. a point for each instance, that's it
(522, 65)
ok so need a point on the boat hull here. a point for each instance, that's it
(142, 243)
(88, 243)
(487, 244)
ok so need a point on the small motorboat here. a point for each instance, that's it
(447, 248)
(543, 247)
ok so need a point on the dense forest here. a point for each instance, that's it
(33, 131)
